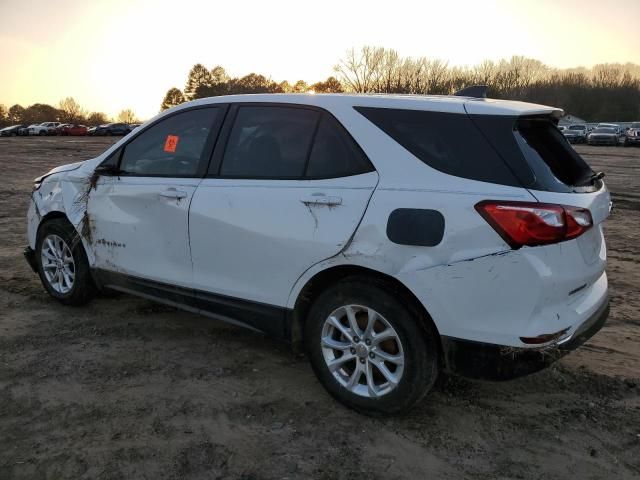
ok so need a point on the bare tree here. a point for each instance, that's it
(70, 111)
(360, 71)
(127, 116)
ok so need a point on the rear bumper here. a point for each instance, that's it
(498, 362)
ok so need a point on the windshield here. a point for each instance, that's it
(635, 125)
(604, 130)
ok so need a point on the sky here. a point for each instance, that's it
(116, 54)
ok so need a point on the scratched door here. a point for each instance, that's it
(254, 238)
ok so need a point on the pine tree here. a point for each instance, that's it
(199, 76)
(172, 98)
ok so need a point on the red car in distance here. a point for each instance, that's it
(73, 130)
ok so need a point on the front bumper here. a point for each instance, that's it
(30, 257)
(602, 141)
(498, 362)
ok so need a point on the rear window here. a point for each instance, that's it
(537, 152)
(448, 142)
(543, 144)
(334, 154)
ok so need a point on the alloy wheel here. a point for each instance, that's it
(362, 351)
(57, 264)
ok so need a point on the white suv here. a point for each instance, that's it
(45, 128)
(394, 237)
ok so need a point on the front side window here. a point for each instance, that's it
(269, 142)
(172, 147)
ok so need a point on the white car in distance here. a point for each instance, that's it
(44, 128)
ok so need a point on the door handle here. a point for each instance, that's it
(173, 193)
(321, 199)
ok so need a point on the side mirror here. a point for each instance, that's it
(107, 170)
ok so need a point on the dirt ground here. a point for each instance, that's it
(124, 388)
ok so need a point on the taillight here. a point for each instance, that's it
(529, 224)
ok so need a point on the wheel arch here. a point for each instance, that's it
(50, 216)
(322, 279)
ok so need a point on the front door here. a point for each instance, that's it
(139, 218)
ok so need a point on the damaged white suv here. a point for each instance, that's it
(394, 237)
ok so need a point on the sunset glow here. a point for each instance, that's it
(126, 53)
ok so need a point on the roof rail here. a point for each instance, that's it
(475, 91)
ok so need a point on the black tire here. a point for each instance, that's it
(42, 133)
(83, 288)
(419, 342)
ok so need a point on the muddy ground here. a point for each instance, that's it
(124, 388)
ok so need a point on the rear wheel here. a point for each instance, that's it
(62, 263)
(42, 133)
(369, 349)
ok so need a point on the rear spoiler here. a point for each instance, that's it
(474, 91)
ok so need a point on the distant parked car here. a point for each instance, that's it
(603, 136)
(72, 129)
(576, 133)
(11, 131)
(58, 129)
(45, 128)
(112, 129)
(632, 136)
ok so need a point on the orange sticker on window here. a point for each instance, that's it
(171, 143)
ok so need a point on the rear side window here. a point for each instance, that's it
(543, 144)
(172, 147)
(334, 153)
(269, 142)
(448, 142)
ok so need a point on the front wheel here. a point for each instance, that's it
(62, 263)
(369, 349)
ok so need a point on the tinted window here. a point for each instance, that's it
(269, 142)
(334, 153)
(172, 147)
(448, 142)
(542, 144)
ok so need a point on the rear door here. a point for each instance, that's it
(286, 189)
(139, 218)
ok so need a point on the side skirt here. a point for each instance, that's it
(272, 320)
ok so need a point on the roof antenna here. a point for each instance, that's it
(475, 91)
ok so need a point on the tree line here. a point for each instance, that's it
(603, 92)
(67, 111)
